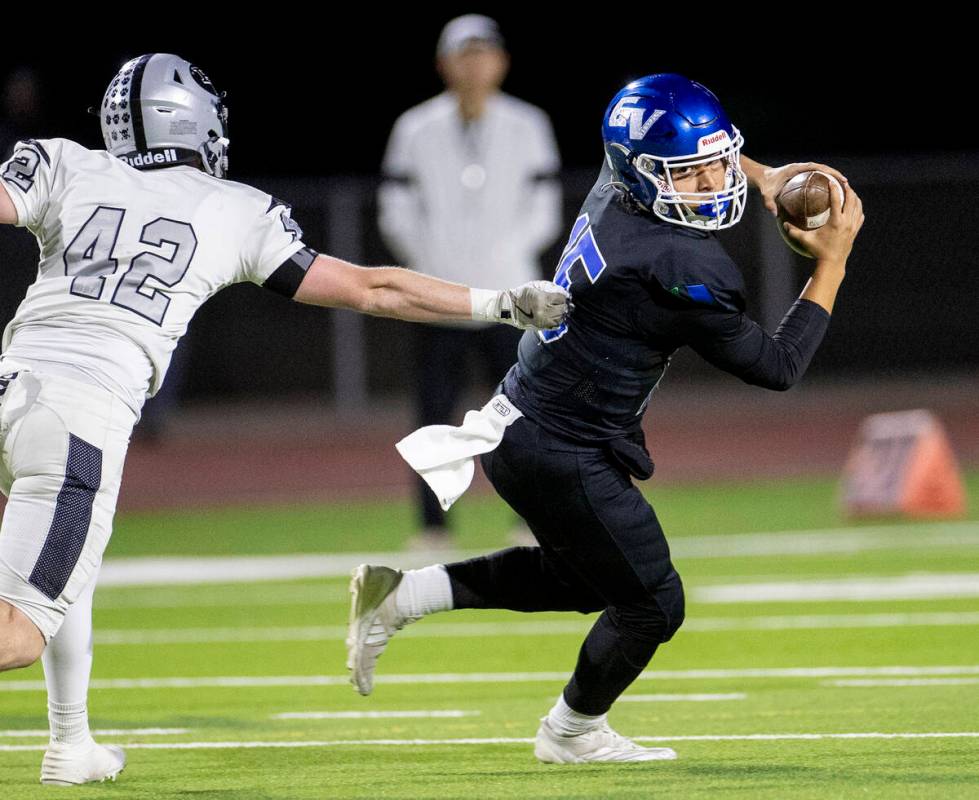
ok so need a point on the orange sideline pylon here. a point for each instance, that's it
(903, 464)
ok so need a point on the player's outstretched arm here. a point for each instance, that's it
(769, 180)
(403, 294)
(8, 213)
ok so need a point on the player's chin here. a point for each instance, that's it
(691, 202)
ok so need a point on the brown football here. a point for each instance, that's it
(804, 201)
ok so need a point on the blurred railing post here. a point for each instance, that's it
(343, 226)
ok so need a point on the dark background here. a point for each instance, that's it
(317, 97)
(893, 106)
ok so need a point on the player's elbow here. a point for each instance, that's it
(782, 369)
(373, 301)
(783, 383)
(376, 295)
(780, 380)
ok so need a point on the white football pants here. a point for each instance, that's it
(62, 447)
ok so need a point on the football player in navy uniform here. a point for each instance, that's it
(647, 276)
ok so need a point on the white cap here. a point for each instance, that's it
(468, 28)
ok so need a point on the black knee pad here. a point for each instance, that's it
(670, 601)
(656, 618)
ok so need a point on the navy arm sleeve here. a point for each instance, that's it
(736, 344)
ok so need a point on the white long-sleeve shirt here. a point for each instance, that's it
(474, 203)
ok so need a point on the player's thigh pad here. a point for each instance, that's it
(584, 510)
(62, 448)
(603, 526)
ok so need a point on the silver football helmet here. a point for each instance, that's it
(160, 110)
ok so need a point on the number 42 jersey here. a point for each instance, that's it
(128, 256)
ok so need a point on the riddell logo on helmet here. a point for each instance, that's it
(714, 138)
(168, 156)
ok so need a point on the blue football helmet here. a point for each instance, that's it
(660, 123)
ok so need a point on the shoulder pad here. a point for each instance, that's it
(696, 270)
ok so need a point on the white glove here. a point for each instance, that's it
(537, 305)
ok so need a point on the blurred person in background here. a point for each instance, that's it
(20, 116)
(470, 193)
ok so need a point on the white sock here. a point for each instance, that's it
(67, 664)
(69, 723)
(424, 591)
(567, 722)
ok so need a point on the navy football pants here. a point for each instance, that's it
(601, 549)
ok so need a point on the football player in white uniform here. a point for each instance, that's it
(132, 241)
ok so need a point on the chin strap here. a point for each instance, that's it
(628, 200)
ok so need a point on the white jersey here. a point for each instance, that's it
(128, 256)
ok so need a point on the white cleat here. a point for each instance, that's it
(65, 765)
(601, 744)
(374, 619)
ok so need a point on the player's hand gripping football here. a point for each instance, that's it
(772, 179)
(537, 305)
(833, 241)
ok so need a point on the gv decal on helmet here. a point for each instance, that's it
(663, 122)
(161, 110)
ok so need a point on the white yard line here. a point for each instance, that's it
(900, 587)
(236, 569)
(230, 595)
(25, 734)
(167, 636)
(245, 681)
(752, 737)
(220, 635)
(450, 714)
(680, 698)
(908, 536)
(906, 682)
(816, 621)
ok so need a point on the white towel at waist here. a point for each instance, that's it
(443, 454)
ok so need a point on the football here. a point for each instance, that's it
(804, 201)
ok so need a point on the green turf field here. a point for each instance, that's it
(819, 660)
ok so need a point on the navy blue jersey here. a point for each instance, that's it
(642, 288)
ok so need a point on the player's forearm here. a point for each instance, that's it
(739, 346)
(383, 291)
(403, 294)
(786, 356)
(412, 296)
(824, 284)
(753, 170)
